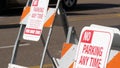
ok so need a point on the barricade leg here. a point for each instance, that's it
(45, 48)
(15, 49)
(61, 18)
(72, 36)
(47, 51)
(65, 26)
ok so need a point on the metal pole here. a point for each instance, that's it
(20, 33)
(45, 48)
(42, 38)
(47, 41)
(15, 49)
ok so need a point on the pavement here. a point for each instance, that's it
(8, 24)
(12, 21)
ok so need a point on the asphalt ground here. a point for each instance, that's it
(106, 13)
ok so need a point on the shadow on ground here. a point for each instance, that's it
(90, 6)
(78, 7)
(94, 6)
(11, 12)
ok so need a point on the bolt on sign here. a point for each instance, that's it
(93, 48)
(36, 20)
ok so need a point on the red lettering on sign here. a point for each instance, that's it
(32, 31)
(35, 2)
(39, 9)
(92, 50)
(83, 60)
(95, 62)
(39, 16)
(87, 36)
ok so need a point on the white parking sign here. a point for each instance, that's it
(93, 48)
(36, 20)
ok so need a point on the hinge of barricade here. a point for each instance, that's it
(51, 18)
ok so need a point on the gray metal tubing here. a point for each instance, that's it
(45, 48)
(72, 36)
(20, 33)
(47, 51)
(15, 49)
(47, 41)
(69, 34)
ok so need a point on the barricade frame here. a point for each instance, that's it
(60, 13)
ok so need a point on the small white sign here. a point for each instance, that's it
(36, 20)
(93, 48)
(15, 66)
